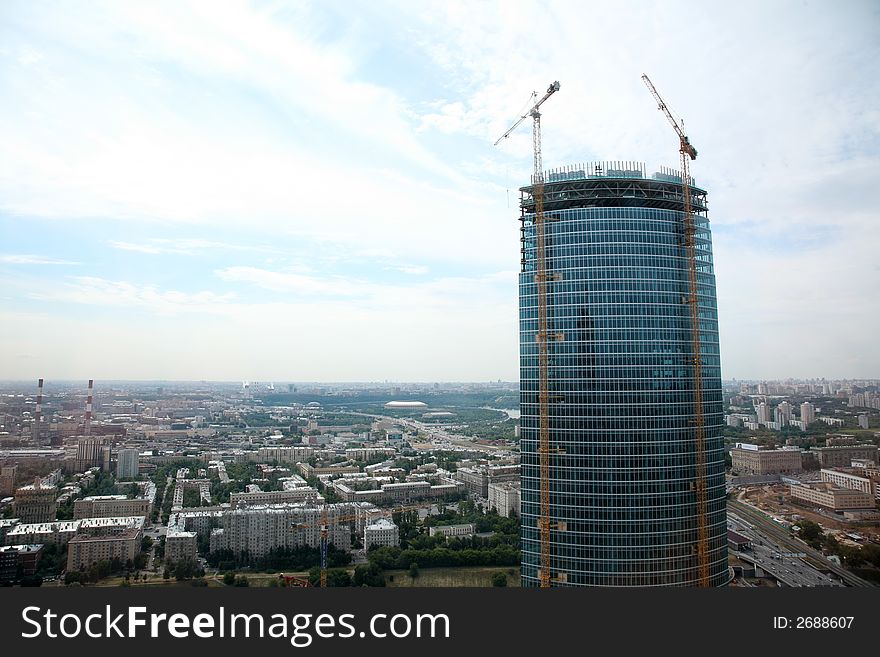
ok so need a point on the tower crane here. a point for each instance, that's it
(687, 153)
(542, 337)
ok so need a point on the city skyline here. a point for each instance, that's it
(159, 219)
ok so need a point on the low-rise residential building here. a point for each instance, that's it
(381, 533)
(477, 479)
(296, 494)
(180, 545)
(282, 454)
(315, 471)
(203, 486)
(8, 475)
(258, 529)
(15, 559)
(406, 491)
(109, 506)
(837, 439)
(452, 530)
(59, 532)
(84, 550)
(5, 525)
(35, 502)
(367, 453)
(504, 497)
(110, 525)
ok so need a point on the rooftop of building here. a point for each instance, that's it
(510, 485)
(847, 470)
(36, 487)
(613, 184)
(407, 484)
(382, 523)
(103, 498)
(825, 486)
(174, 532)
(45, 527)
(126, 534)
(121, 521)
(36, 547)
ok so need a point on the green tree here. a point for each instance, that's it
(810, 532)
(187, 569)
(853, 557)
(337, 577)
(414, 570)
(229, 578)
(499, 579)
(368, 575)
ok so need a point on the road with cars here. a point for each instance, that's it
(774, 533)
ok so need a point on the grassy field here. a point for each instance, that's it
(451, 577)
(428, 577)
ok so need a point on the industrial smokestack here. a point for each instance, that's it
(88, 422)
(38, 414)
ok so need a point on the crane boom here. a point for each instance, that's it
(688, 152)
(552, 89)
(542, 337)
(661, 105)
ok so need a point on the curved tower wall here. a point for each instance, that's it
(621, 382)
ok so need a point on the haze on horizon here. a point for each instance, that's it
(261, 191)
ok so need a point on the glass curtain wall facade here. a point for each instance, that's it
(621, 382)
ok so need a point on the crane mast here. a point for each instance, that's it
(542, 337)
(687, 152)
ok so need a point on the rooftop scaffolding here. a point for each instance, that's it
(613, 184)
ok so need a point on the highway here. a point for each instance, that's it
(786, 566)
(780, 536)
(437, 435)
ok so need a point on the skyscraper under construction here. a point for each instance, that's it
(622, 404)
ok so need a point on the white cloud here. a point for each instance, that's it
(297, 283)
(140, 248)
(95, 291)
(28, 259)
(184, 246)
(414, 270)
(408, 333)
(286, 126)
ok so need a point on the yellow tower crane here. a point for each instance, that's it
(687, 153)
(542, 337)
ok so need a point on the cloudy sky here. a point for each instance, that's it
(309, 191)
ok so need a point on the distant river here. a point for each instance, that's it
(510, 413)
